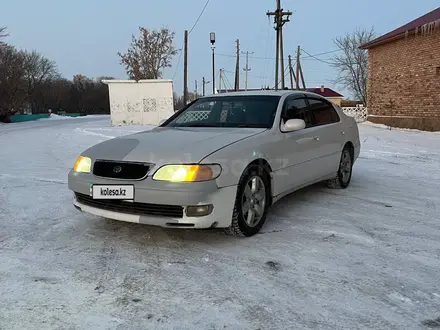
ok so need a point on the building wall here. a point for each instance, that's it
(404, 82)
(146, 102)
(335, 100)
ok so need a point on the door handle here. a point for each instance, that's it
(305, 140)
(308, 139)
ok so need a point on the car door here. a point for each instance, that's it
(296, 150)
(330, 136)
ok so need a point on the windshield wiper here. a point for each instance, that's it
(250, 126)
(228, 125)
(200, 125)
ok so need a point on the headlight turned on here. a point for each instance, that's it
(83, 164)
(187, 173)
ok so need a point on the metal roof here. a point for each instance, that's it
(401, 32)
(328, 92)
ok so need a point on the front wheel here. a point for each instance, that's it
(343, 177)
(251, 203)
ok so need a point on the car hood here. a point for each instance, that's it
(163, 145)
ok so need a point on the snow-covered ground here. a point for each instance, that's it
(363, 258)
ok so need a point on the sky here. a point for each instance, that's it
(84, 36)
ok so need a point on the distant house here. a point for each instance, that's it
(351, 103)
(404, 75)
(328, 93)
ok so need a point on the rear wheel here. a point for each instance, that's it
(251, 202)
(343, 177)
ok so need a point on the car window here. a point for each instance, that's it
(295, 108)
(229, 111)
(198, 113)
(323, 112)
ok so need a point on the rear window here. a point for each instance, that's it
(323, 112)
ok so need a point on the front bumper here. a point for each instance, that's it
(162, 193)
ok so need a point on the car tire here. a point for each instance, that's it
(345, 170)
(245, 203)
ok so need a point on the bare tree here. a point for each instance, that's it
(3, 34)
(178, 100)
(149, 55)
(352, 63)
(12, 80)
(38, 69)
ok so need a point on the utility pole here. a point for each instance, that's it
(237, 68)
(297, 66)
(220, 81)
(299, 71)
(247, 69)
(292, 74)
(282, 58)
(302, 76)
(279, 21)
(185, 69)
(204, 82)
(195, 90)
(212, 39)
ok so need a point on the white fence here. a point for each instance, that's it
(359, 113)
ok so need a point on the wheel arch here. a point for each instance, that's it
(264, 164)
(350, 146)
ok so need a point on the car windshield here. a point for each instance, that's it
(229, 111)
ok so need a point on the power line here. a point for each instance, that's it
(178, 62)
(273, 58)
(227, 80)
(194, 25)
(268, 50)
(242, 73)
(198, 18)
(325, 53)
(316, 58)
(308, 58)
(252, 57)
(284, 76)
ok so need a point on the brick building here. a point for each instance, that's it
(404, 75)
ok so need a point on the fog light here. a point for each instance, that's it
(199, 210)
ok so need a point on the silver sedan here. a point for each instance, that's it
(220, 162)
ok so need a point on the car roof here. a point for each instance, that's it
(264, 92)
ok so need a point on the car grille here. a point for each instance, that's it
(135, 208)
(121, 170)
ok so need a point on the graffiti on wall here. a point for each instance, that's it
(143, 111)
(147, 105)
(158, 104)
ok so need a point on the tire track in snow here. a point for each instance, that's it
(53, 181)
(87, 132)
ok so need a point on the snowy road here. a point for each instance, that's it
(364, 258)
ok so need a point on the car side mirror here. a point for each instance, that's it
(293, 125)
